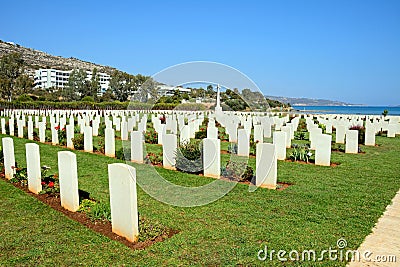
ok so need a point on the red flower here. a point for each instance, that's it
(43, 183)
(63, 129)
(51, 184)
(57, 128)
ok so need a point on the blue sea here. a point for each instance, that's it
(359, 110)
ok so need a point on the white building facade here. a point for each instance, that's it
(53, 78)
(166, 90)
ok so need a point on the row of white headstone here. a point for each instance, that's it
(122, 185)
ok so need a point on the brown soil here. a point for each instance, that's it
(225, 152)
(333, 164)
(280, 185)
(102, 227)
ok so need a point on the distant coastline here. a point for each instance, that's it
(348, 109)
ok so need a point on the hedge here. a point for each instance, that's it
(101, 105)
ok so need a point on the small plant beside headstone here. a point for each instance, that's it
(237, 171)
(300, 153)
(78, 142)
(189, 157)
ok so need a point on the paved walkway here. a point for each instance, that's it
(384, 239)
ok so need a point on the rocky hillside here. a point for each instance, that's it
(35, 59)
(307, 101)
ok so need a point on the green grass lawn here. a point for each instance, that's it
(323, 205)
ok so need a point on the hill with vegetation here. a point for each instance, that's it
(34, 59)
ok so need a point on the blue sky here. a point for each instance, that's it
(341, 50)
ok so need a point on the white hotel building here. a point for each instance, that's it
(52, 78)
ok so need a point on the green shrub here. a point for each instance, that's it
(201, 134)
(338, 147)
(151, 137)
(237, 171)
(20, 176)
(300, 136)
(153, 159)
(24, 98)
(123, 153)
(253, 145)
(88, 99)
(79, 142)
(62, 137)
(102, 129)
(50, 183)
(95, 210)
(189, 157)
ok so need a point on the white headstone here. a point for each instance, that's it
(340, 134)
(258, 134)
(323, 149)
(314, 132)
(20, 125)
(287, 130)
(279, 140)
(391, 130)
(70, 134)
(9, 158)
(212, 132)
(88, 139)
(54, 136)
(68, 178)
(33, 168)
(370, 136)
(30, 130)
(123, 201)
(169, 149)
(184, 134)
(161, 134)
(266, 166)
(212, 157)
(42, 132)
(137, 146)
(11, 126)
(124, 130)
(3, 126)
(267, 129)
(243, 143)
(352, 141)
(109, 142)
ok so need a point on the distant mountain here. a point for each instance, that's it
(35, 59)
(293, 101)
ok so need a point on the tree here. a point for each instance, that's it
(147, 92)
(210, 91)
(118, 85)
(11, 67)
(107, 96)
(76, 87)
(385, 112)
(23, 84)
(94, 85)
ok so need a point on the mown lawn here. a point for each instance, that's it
(323, 205)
